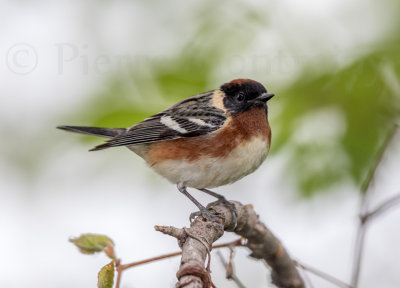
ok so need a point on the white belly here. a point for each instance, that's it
(210, 172)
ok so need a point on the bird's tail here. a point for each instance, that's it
(95, 131)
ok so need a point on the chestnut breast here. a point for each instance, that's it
(237, 130)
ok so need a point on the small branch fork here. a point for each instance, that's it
(367, 214)
(122, 267)
(196, 244)
(230, 274)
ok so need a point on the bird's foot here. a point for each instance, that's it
(226, 203)
(231, 208)
(207, 215)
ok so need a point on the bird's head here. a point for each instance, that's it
(241, 95)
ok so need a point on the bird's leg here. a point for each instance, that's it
(223, 200)
(203, 211)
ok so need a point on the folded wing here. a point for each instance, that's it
(192, 117)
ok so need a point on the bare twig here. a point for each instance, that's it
(323, 275)
(230, 274)
(119, 273)
(365, 220)
(376, 162)
(263, 244)
(236, 243)
(122, 267)
(382, 208)
(358, 253)
(196, 243)
(137, 263)
(259, 239)
(364, 207)
(306, 278)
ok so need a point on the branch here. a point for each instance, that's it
(197, 240)
(230, 274)
(323, 275)
(122, 267)
(383, 207)
(365, 215)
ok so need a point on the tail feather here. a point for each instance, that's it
(101, 147)
(95, 131)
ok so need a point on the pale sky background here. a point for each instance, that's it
(55, 55)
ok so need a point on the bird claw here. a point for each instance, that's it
(194, 215)
(205, 214)
(231, 207)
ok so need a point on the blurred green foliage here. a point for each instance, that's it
(187, 72)
(363, 95)
(360, 93)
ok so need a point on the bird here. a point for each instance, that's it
(207, 140)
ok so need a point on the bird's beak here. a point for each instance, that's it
(265, 97)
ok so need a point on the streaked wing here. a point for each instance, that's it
(191, 117)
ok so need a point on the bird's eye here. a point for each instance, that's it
(240, 97)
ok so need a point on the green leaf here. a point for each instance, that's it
(92, 243)
(105, 278)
